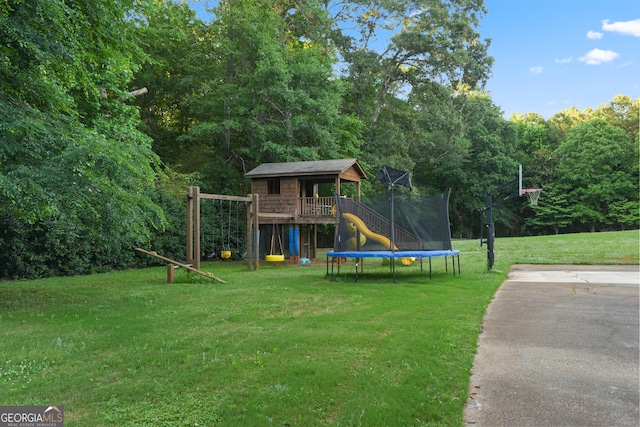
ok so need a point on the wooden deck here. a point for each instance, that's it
(307, 210)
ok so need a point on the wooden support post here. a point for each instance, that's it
(196, 228)
(171, 273)
(256, 230)
(314, 252)
(253, 243)
(249, 237)
(190, 195)
(193, 227)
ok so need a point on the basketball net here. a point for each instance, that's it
(533, 194)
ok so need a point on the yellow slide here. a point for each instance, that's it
(361, 226)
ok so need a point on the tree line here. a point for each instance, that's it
(89, 170)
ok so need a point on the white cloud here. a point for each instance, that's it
(631, 28)
(564, 60)
(598, 56)
(594, 35)
(535, 70)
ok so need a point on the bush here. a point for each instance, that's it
(53, 246)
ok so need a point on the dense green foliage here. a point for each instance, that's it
(75, 171)
(84, 164)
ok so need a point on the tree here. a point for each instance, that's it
(430, 41)
(625, 213)
(553, 212)
(622, 112)
(561, 122)
(598, 169)
(173, 41)
(468, 147)
(541, 168)
(489, 166)
(268, 92)
(74, 168)
(533, 132)
(443, 145)
(391, 139)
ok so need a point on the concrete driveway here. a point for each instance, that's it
(559, 347)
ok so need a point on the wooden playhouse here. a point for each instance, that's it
(296, 197)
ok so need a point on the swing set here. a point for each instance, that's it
(225, 252)
(193, 226)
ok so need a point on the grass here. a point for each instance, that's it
(280, 346)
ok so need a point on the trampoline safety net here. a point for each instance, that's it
(420, 223)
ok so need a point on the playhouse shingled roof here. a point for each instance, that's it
(317, 167)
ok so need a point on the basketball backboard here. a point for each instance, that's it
(520, 180)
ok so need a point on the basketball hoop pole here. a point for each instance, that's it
(489, 225)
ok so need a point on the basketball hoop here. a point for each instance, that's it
(532, 194)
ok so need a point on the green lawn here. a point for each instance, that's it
(280, 346)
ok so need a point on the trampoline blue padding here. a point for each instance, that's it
(393, 254)
(419, 255)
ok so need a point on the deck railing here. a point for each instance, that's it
(317, 206)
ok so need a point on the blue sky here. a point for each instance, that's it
(554, 54)
(551, 55)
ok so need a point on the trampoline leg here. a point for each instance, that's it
(393, 263)
(453, 263)
(430, 276)
(458, 264)
(356, 270)
(446, 264)
(392, 269)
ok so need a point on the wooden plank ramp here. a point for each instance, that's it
(185, 266)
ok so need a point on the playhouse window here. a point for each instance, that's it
(273, 186)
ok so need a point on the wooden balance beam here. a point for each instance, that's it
(179, 264)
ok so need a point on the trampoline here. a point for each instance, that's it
(418, 255)
(406, 226)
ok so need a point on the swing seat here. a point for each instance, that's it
(225, 254)
(275, 257)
